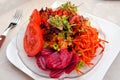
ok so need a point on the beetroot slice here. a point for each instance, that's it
(70, 68)
(56, 73)
(65, 58)
(41, 62)
(46, 51)
(53, 60)
(57, 62)
(72, 65)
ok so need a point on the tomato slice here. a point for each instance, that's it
(33, 39)
(35, 17)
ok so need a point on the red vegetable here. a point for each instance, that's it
(57, 62)
(56, 73)
(41, 62)
(33, 39)
(35, 17)
(65, 58)
(53, 60)
(73, 63)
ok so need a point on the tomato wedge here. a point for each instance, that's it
(35, 17)
(33, 39)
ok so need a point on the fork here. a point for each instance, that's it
(14, 21)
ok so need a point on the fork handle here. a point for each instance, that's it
(2, 39)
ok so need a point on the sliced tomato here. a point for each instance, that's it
(35, 17)
(33, 39)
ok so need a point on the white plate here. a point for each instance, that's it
(111, 31)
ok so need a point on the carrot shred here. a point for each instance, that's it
(87, 44)
(78, 71)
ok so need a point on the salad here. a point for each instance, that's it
(61, 40)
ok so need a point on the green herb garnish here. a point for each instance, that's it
(55, 46)
(60, 22)
(69, 6)
(80, 64)
(56, 21)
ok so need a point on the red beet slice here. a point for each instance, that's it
(56, 73)
(72, 65)
(41, 62)
(53, 60)
(70, 68)
(57, 62)
(46, 51)
(65, 58)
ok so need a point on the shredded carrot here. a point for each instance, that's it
(87, 44)
(78, 71)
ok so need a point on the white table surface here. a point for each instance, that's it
(109, 10)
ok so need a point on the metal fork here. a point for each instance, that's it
(15, 20)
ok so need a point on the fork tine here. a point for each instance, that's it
(17, 16)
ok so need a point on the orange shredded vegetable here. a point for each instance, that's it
(87, 43)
